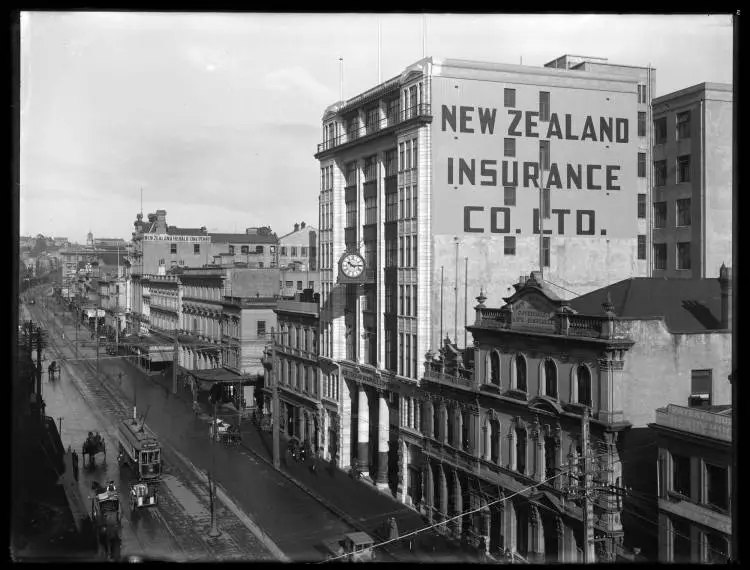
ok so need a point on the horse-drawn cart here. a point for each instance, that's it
(224, 432)
(105, 514)
(141, 495)
(93, 445)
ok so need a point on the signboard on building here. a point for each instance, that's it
(496, 142)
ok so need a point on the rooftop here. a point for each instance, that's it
(243, 238)
(698, 89)
(714, 422)
(687, 305)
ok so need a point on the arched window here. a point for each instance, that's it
(436, 422)
(465, 430)
(550, 378)
(583, 382)
(520, 363)
(495, 441)
(495, 368)
(451, 417)
(520, 450)
(550, 456)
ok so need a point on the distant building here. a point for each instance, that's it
(695, 473)
(292, 281)
(692, 195)
(110, 242)
(308, 407)
(299, 248)
(255, 248)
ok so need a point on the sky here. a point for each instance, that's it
(216, 117)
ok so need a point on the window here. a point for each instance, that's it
(683, 168)
(391, 166)
(509, 245)
(683, 212)
(681, 474)
(407, 166)
(660, 214)
(299, 285)
(293, 251)
(583, 381)
(510, 147)
(683, 125)
(716, 548)
(717, 486)
(660, 256)
(510, 97)
(414, 251)
(544, 105)
(231, 250)
(372, 120)
(289, 284)
(407, 202)
(660, 173)
(550, 378)
(660, 131)
(303, 251)
(641, 165)
(550, 463)
(641, 123)
(351, 173)
(196, 248)
(641, 93)
(642, 206)
(641, 246)
(401, 159)
(544, 155)
(545, 251)
(407, 252)
(172, 248)
(495, 368)
(283, 250)
(509, 195)
(245, 249)
(520, 363)
(700, 388)
(683, 255)
(414, 153)
(414, 201)
(258, 249)
(520, 450)
(351, 218)
(261, 329)
(681, 544)
(370, 168)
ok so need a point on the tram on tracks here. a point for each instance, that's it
(140, 449)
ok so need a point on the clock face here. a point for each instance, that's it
(352, 265)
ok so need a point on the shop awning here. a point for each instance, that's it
(210, 376)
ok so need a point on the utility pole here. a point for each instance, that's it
(275, 421)
(59, 423)
(214, 532)
(455, 295)
(96, 334)
(589, 556)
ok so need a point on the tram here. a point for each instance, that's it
(140, 449)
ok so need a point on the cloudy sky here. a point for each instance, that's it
(217, 116)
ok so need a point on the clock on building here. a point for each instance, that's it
(351, 266)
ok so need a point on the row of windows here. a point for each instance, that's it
(712, 546)
(296, 336)
(682, 256)
(292, 251)
(290, 285)
(713, 484)
(407, 355)
(682, 213)
(407, 154)
(581, 385)
(509, 100)
(326, 177)
(173, 248)
(682, 171)
(681, 132)
(300, 376)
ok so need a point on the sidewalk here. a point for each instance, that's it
(357, 502)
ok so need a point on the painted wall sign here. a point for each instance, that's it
(482, 149)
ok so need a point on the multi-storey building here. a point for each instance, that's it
(294, 281)
(299, 248)
(308, 409)
(487, 422)
(695, 493)
(256, 247)
(415, 182)
(692, 198)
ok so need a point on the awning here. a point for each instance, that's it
(161, 355)
(210, 376)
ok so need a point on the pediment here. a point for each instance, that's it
(546, 404)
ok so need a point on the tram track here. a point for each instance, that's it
(104, 401)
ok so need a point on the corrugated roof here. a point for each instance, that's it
(687, 305)
(242, 238)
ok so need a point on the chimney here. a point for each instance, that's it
(296, 227)
(302, 226)
(725, 284)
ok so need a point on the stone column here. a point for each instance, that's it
(363, 433)
(443, 493)
(486, 529)
(459, 503)
(344, 445)
(324, 434)
(383, 424)
(509, 521)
